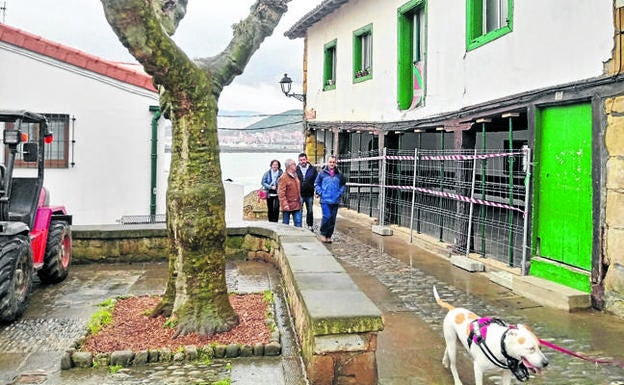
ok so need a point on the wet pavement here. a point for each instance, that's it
(397, 276)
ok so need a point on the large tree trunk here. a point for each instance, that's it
(196, 295)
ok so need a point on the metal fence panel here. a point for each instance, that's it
(466, 198)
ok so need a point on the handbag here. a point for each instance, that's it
(262, 193)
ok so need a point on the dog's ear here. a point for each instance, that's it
(529, 331)
(524, 326)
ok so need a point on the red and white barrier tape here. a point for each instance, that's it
(461, 198)
(433, 157)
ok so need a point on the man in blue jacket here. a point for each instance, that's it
(329, 186)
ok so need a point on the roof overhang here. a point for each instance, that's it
(300, 28)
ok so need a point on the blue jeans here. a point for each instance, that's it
(296, 217)
(308, 202)
(328, 223)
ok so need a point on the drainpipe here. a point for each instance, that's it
(154, 161)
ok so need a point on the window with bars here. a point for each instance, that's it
(363, 54)
(57, 152)
(487, 20)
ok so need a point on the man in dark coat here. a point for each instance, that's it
(307, 175)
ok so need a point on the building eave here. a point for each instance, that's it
(300, 28)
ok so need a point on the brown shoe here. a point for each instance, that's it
(323, 239)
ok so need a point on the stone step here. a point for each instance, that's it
(502, 278)
(551, 294)
(467, 264)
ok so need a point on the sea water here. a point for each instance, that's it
(247, 168)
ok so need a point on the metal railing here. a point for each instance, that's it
(474, 200)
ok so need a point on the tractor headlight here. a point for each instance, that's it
(12, 136)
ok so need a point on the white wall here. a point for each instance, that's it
(112, 130)
(552, 42)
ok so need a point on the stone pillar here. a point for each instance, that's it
(614, 210)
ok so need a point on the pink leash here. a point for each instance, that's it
(594, 360)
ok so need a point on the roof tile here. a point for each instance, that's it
(38, 44)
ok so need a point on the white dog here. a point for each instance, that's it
(492, 344)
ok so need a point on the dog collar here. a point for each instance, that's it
(478, 333)
(516, 366)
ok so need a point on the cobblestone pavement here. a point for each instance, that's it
(409, 275)
(31, 348)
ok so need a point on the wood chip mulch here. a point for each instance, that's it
(133, 329)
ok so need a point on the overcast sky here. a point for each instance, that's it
(205, 31)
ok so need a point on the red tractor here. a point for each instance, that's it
(34, 236)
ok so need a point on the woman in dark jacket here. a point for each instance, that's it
(269, 183)
(329, 186)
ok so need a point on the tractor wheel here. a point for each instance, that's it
(57, 255)
(16, 270)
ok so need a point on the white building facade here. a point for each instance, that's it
(537, 82)
(541, 50)
(102, 114)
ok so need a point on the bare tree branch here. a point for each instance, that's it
(171, 12)
(140, 28)
(247, 36)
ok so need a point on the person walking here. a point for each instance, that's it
(329, 186)
(307, 176)
(269, 183)
(289, 194)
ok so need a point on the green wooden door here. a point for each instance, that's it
(562, 227)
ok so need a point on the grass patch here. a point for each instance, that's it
(102, 317)
(170, 323)
(114, 369)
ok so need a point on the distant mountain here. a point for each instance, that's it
(236, 119)
(285, 121)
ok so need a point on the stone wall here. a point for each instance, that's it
(614, 218)
(336, 324)
(119, 243)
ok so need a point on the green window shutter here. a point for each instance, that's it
(357, 53)
(475, 35)
(474, 20)
(329, 65)
(363, 54)
(405, 64)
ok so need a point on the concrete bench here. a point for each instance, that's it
(336, 324)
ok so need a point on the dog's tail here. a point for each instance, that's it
(443, 304)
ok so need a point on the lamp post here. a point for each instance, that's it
(286, 84)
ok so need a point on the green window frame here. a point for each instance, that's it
(411, 55)
(487, 20)
(329, 65)
(363, 54)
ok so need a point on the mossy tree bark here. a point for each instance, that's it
(196, 295)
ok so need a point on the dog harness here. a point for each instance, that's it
(478, 333)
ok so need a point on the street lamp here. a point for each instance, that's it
(286, 84)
